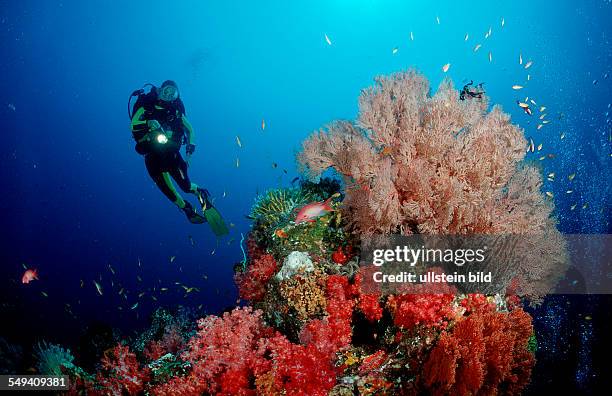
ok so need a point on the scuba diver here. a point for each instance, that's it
(470, 92)
(160, 127)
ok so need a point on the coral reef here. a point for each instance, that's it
(411, 163)
(51, 358)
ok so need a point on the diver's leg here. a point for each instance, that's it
(162, 179)
(179, 173)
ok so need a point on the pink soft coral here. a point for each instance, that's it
(121, 372)
(252, 283)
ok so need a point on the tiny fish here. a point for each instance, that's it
(540, 147)
(539, 126)
(517, 87)
(488, 33)
(573, 207)
(138, 278)
(569, 191)
(531, 145)
(571, 177)
(528, 64)
(542, 116)
(490, 56)
(237, 162)
(562, 136)
(139, 263)
(446, 67)
(477, 47)
(542, 158)
(82, 283)
(295, 179)
(134, 306)
(551, 175)
(274, 165)
(438, 19)
(172, 258)
(25, 267)
(121, 291)
(520, 59)
(29, 275)
(42, 293)
(551, 156)
(212, 253)
(328, 40)
(411, 36)
(98, 287)
(549, 194)
(111, 269)
(542, 109)
(263, 124)
(232, 225)
(523, 105)
(532, 102)
(141, 294)
(467, 36)
(191, 241)
(595, 82)
(503, 22)
(153, 298)
(528, 77)
(545, 122)
(238, 142)
(394, 50)
(205, 277)
(163, 289)
(586, 205)
(224, 194)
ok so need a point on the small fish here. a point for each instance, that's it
(172, 258)
(274, 165)
(542, 109)
(477, 47)
(139, 263)
(232, 225)
(212, 253)
(549, 194)
(562, 136)
(446, 67)
(520, 59)
(153, 298)
(190, 289)
(134, 306)
(11, 106)
(542, 116)
(81, 283)
(312, 211)
(528, 64)
(163, 289)
(569, 191)
(141, 294)
(29, 275)
(551, 175)
(138, 278)
(263, 124)
(586, 205)
(411, 36)
(488, 33)
(98, 287)
(532, 102)
(25, 267)
(394, 50)
(517, 87)
(503, 22)
(540, 147)
(531, 145)
(467, 36)
(111, 269)
(121, 291)
(573, 207)
(438, 19)
(588, 317)
(44, 294)
(545, 121)
(328, 40)
(542, 158)
(238, 142)
(539, 127)
(205, 277)
(237, 162)
(191, 241)
(490, 56)
(595, 82)
(571, 177)
(528, 77)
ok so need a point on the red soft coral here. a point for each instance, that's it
(409, 310)
(252, 283)
(121, 373)
(483, 351)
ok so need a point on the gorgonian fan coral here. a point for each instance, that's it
(415, 163)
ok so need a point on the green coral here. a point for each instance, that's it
(532, 344)
(277, 205)
(51, 358)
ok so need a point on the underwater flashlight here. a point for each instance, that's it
(162, 139)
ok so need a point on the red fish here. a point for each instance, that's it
(312, 211)
(29, 276)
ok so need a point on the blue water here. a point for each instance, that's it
(76, 196)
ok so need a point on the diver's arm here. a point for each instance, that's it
(190, 133)
(138, 125)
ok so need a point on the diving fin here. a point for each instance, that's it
(211, 214)
(214, 219)
(192, 215)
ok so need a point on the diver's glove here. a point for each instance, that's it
(153, 125)
(189, 149)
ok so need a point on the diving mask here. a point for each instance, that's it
(168, 93)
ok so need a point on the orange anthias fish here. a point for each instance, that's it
(281, 233)
(29, 276)
(312, 211)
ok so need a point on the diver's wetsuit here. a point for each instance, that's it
(164, 160)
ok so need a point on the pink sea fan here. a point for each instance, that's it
(415, 163)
